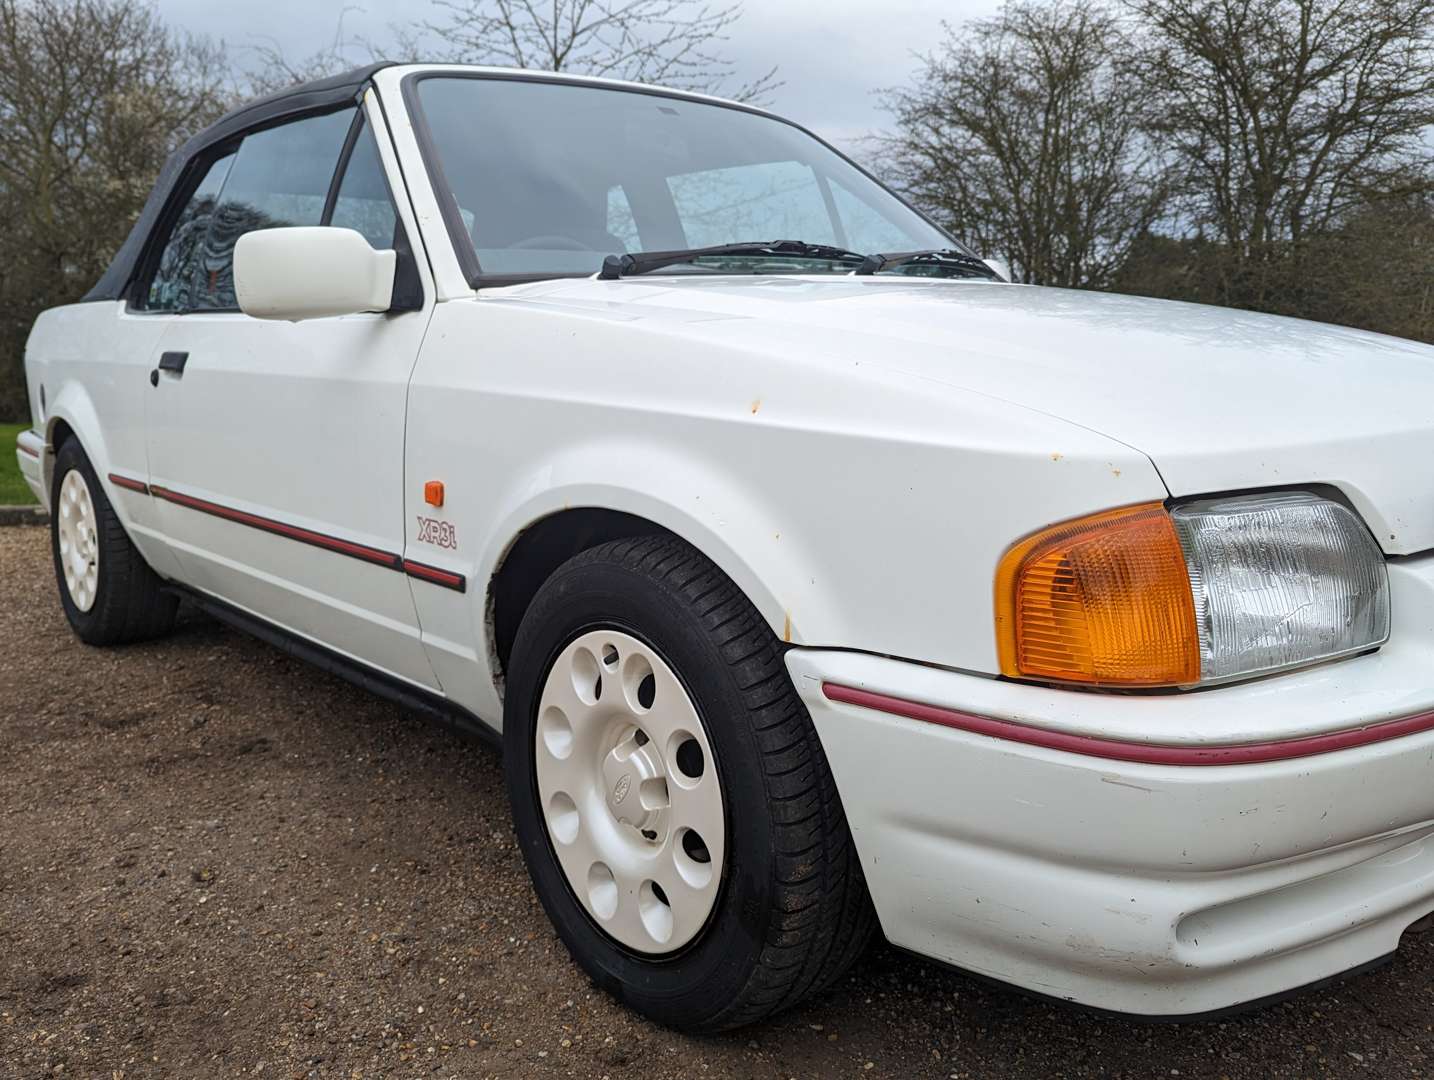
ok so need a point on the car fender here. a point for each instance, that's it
(685, 494)
(857, 506)
(689, 498)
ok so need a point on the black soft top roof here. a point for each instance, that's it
(333, 91)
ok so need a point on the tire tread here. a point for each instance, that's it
(823, 914)
(131, 604)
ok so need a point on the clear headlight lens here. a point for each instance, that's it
(1206, 592)
(1280, 580)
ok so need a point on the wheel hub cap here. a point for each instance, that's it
(636, 782)
(629, 791)
(79, 540)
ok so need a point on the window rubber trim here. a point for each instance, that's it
(341, 167)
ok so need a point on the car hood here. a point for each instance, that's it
(1219, 400)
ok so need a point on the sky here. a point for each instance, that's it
(833, 55)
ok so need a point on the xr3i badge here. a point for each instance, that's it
(439, 533)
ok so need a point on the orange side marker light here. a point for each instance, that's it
(433, 493)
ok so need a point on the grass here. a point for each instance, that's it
(13, 489)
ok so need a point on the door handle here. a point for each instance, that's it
(173, 361)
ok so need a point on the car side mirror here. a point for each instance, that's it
(311, 272)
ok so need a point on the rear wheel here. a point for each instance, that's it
(670, 794)
(109, 593)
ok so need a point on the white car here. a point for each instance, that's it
(812, 576)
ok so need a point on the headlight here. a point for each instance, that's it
(1205, 592)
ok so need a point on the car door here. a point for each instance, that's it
(276, 448)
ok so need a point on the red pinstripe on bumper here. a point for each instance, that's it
(1116, 750)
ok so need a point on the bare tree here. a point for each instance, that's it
(94, 94)
(273, 69)
(1285, 116)
(672, 42)
(1023, 133)
(1374, 270)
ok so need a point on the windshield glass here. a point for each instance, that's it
(553, 177)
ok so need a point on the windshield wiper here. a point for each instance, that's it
(948, 259)
(641, 262)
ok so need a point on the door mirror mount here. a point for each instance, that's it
(311, 272)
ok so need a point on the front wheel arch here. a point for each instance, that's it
(538, 551)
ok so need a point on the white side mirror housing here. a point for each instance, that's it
(311, 272)
(1000, 266)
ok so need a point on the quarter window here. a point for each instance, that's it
(364, 202)
(171, 288)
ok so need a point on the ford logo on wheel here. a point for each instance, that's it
(619, 791)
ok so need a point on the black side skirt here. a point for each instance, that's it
(434, 707)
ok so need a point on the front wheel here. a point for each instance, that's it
(109, 593)
(670, 794)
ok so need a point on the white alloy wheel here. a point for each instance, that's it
(629, 791)
(79, 540)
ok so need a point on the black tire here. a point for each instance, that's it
(130, 603)
(793, 911)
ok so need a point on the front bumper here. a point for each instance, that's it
(1135, 885)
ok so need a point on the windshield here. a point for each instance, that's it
(549, 178)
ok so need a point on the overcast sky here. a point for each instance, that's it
(833, 54)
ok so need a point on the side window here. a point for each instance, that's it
(775, 200)
(170, 288)
(280, 177)
(364, 202)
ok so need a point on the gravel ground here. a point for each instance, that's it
(215, 861)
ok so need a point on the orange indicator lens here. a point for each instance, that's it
(1104, 600)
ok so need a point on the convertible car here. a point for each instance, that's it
(814, 578)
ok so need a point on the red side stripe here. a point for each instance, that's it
(292, 532)
(1143, 753)
(27, 451)
(445, 578)
(131, 484)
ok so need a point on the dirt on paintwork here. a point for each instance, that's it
(215, 862)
